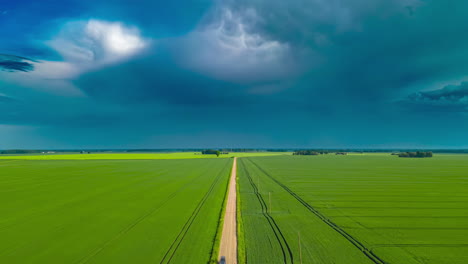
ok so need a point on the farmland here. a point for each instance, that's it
(137, 156)
(110, 211)
(166, 208)
(353, 209)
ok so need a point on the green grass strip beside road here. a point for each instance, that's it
(219, 231)
(241, 256)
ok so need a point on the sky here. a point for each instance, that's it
(233, 73)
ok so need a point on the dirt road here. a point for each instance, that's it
(228, 247)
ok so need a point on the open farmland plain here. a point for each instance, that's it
(137, 156)
(353, 209)
(111, 211)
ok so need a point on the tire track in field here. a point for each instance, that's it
(392, 207)
(30, 217)
(401, 216)
(96, 251)
(420, 245)
(167, 258)
(287, 256)
(412, 228)
(367, 252)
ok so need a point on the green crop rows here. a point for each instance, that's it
(354, 209)
(135, 156)
(113, 211)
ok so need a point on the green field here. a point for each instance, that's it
(165, 208)
(137, 156)
(354, 209)
(112, 211)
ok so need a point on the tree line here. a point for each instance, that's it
(213, 152)
(19, 151)
(417, 154)
(310, 152)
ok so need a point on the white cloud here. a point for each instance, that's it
(98, 42)
(84, 46)
(228, 47)
(115, 38)
(89, 45)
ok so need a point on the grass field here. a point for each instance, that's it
(138, 156)
(112, 211)
(354, 209)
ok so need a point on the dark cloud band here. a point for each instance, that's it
(451, 98)
(11, 63)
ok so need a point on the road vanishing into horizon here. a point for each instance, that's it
(228, 246)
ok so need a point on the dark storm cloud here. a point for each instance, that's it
(366, 51)
(311, 22)
(304, 68)
(12, 63)
(155, 78)
(450, 93)
(451, 98)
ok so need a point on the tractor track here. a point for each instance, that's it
(420, 245)
(167, 258)
(287, 256)
(374, 258)
(138, 220)
(32, 216)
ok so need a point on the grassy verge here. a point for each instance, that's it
(241, 256)
(219, 231)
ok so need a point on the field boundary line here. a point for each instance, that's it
(326, 220)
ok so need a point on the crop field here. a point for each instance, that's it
(111, 211)
(137, 156)
(354, 209)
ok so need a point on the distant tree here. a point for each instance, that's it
(306, 152)
(211, 152)
(20, 151)
(417, 154)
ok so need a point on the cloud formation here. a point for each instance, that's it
(93, 44)
(97, 42)
(298, 66)
(84, 45)
(451, 98)
(11, 63)
(227, 46)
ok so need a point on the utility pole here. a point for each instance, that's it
(300, 250)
